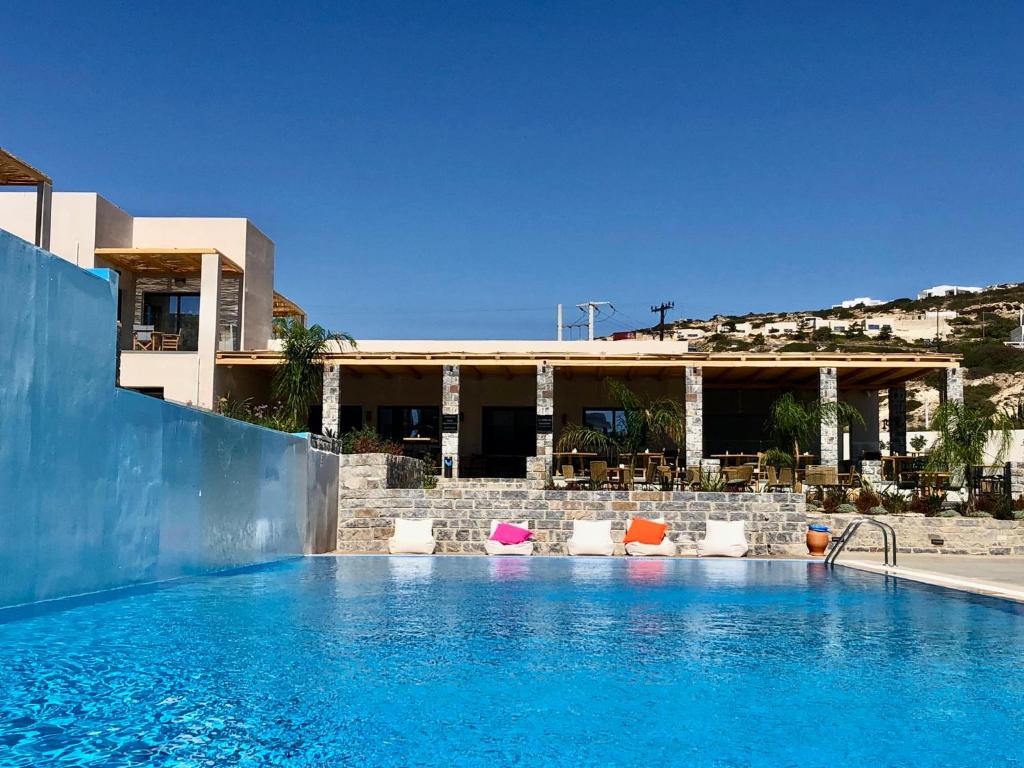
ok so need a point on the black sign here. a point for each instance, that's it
(450, 422)
(545, 425)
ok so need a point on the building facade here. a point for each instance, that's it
(188, 287)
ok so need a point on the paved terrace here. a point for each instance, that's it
(996, 576)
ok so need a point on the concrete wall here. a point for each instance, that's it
(101, 487)
(177, 373)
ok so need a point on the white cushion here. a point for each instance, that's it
(414, 529)
(497, 548)
(667, 548)
(725, 538)
(591, 537)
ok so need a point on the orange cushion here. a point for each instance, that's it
(645, 532)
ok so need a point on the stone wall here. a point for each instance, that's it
(960, 535)
(776, 523)
(369, 471)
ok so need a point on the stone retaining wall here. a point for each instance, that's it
(776, 523)
(362, 471)
(960, 535)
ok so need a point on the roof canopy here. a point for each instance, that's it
(176, 262)
(739, 370)
(285, 307)
(18, 173)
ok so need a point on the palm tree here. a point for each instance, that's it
(963, 434)
(298, 379)
(794, 423)
(646, 419)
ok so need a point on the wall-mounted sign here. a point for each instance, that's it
(545, 424)
(449, 422)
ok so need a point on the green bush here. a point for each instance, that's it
(846, 509)
(366, 440)
(272, 416)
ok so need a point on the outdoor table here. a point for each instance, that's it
(573, 455)
(895, 463)
(734, 459)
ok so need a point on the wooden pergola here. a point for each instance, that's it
(165, 262)
(15, 172)
(285, 307)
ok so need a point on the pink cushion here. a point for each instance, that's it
(510, 534)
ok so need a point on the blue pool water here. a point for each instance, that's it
(376, 661)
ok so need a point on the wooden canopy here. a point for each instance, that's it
(285, 307)
(173, 262)
(720, 370)
(18, 173)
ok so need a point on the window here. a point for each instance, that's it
(397, 422)
(873, 327)
(610, 421)
(174, 313)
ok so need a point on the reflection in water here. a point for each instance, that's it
(410, 569)
(646, 571)
(509, 568)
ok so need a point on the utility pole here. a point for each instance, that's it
(591, 307)
(661, 309)
(559, 337)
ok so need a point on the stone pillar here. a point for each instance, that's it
(331, 401)
(1016, 469)
(450, 414)
(954, 385)
(898, 420)
(209, 300)
(694, 404)
(871, 472)
(828, 392)
(545, 411)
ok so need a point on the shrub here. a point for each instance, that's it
(846, 509)
(894, 502)
(272, 416)
(866, 499)
(878, 511)
(929, 506)
(366, 440)
(832, 500)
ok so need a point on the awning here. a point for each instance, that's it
(173, 262)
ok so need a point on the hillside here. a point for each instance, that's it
(975, 325)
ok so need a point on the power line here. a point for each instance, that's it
(661, 309)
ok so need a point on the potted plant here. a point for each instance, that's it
(817, 539)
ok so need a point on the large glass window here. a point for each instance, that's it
(610, 421)
(174, 313)
(398, 422)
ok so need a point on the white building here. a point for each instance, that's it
(939, 291)
(860, 301)
(169, 332)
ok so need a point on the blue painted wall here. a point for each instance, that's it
(102, 487)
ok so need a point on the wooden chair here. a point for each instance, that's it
(169, 342)
(819, 476)
(693, 478)
(739, 478)
(569, 475)
(599, 473)
(143, 339)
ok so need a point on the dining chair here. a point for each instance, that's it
(142, 338)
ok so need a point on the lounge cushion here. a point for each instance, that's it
(506, 533)
(413, 537)
(725, 538)
(667, 548)
(494, 548)
(644, 531)
(591, 537)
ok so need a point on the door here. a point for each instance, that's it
(509, 436)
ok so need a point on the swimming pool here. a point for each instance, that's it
(378, 661)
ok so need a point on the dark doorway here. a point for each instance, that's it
(509, 435)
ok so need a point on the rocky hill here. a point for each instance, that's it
(975, 325)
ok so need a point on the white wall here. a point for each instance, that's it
(176, 372)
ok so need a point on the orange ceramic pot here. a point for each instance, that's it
(817, 542)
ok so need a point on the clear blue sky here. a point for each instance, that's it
(456, 169)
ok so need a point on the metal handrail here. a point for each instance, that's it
(852, 528)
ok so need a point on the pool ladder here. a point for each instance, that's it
(840, 542)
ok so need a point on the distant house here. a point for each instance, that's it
(860, 301)
(940, 291)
